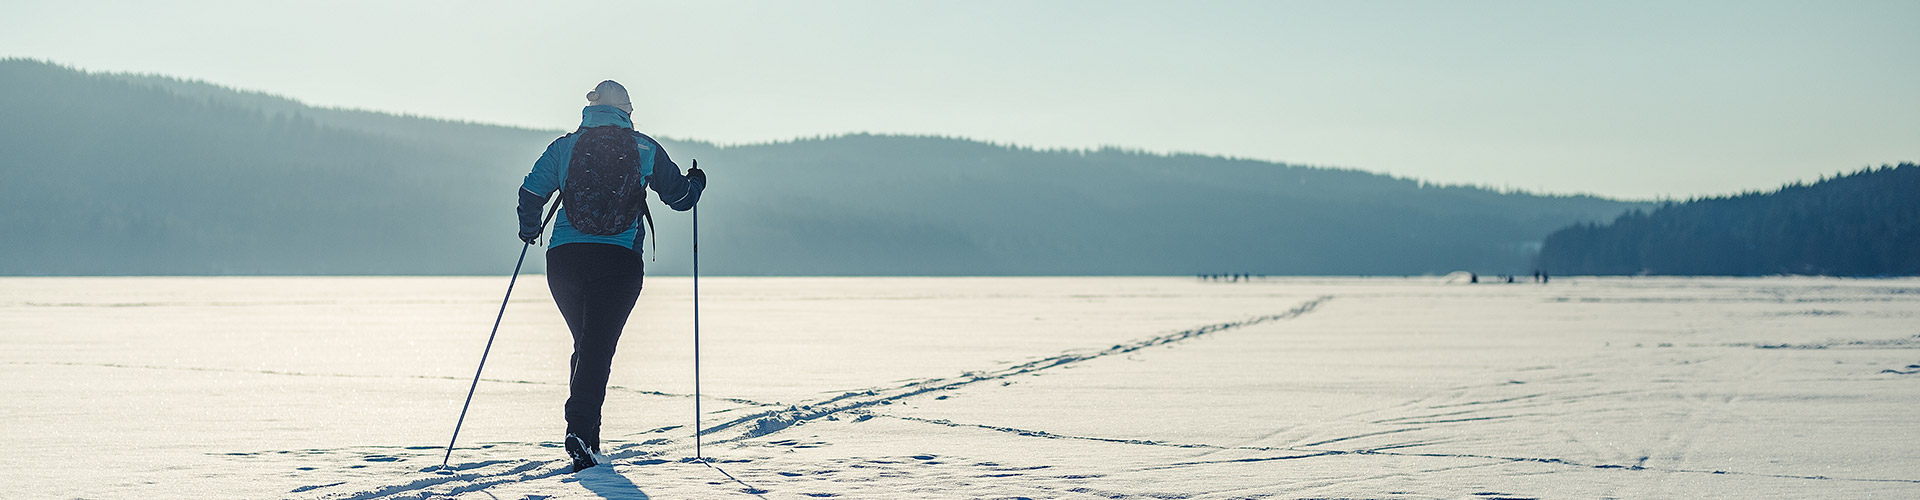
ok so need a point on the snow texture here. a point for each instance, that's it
(1157, 388)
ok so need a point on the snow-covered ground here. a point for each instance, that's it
(347, 388)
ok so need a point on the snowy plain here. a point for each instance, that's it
(347, 388)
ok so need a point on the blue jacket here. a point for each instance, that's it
(550, 173)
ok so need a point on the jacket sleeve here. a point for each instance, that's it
(541, 183)
(676, 190)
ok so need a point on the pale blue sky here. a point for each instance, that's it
(1631, 99)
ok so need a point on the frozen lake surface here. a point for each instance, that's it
(1163, 388)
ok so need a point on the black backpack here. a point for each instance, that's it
(605, 190)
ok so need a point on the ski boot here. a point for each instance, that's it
(583, 455)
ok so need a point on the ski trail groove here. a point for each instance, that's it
(1296, 453)
(765, 422)
(768, 422)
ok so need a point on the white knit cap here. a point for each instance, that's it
(610, 93)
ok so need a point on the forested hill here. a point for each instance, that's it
(125, 174)
(1862, 224)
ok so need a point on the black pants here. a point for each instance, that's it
(595, 286)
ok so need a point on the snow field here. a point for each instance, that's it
(346, 388)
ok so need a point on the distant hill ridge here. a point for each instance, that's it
(1866, 223)
(157, 175)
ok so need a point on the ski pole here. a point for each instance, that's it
(696, 328)
(496, 330)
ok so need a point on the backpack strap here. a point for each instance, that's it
(646, 211)
(648, 214)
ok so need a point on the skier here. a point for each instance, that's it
(602, 171)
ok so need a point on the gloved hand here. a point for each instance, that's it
(696, 174)
(531, 235)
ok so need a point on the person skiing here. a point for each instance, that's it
(602, 171)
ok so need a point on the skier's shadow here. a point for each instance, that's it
(609, 484)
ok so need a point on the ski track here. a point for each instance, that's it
(747, 427)
(1893, 343)
(473, 477)
(768, 422)
(1305, 452)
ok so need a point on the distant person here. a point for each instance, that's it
(602, 171)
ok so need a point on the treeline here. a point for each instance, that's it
(1865, 223)
(130, 174)
(119, 174)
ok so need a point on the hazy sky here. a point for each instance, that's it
(1616, 98)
